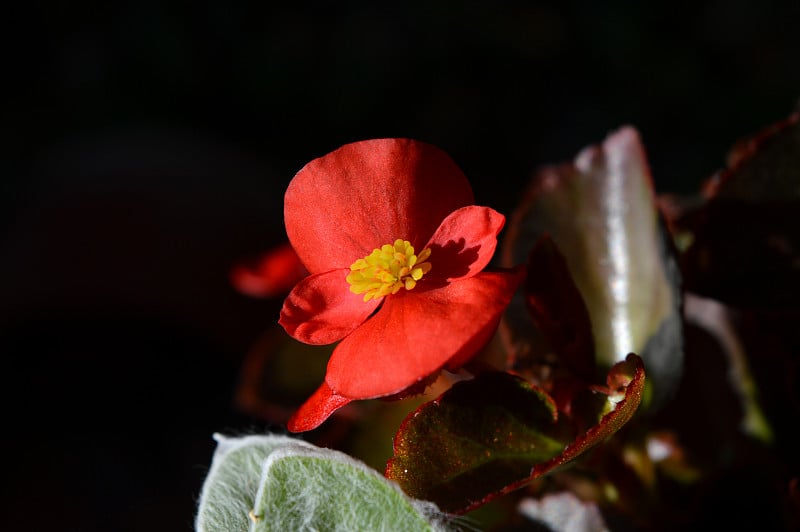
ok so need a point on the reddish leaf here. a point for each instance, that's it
(474, 440)
(746, 247)
(558, 310)
(486, 437)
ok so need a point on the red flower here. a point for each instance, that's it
(272, 274)
(395, 250)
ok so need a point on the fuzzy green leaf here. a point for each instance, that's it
(229, 490)
(275, 483)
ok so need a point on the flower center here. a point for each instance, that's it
(388, 269)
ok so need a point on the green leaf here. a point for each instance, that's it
(276, 483)
(475, 439)
(230, 487)
(601, 214)
(496, 433)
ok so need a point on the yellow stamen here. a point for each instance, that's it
(388, 269)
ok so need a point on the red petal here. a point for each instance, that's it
(464, 242)
(340, 207)
(416, 333)
(274, 273)
(321, 309)
(317, 409)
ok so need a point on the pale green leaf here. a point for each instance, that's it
(275, 483)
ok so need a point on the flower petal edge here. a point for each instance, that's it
(316, 409)
(464, 242)
(418, 334)
(341, 206)
(321, 309)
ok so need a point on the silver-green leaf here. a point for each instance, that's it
(276, 483)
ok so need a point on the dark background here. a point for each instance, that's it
(148, 145)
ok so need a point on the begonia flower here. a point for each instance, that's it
(274, 273)
(395, 249)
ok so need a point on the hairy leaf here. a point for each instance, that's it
(229, 490)
(275, 483)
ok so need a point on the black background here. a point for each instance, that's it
(148, 145)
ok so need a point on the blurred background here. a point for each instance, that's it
(148, 146)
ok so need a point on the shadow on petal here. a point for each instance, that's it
(452, 260)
